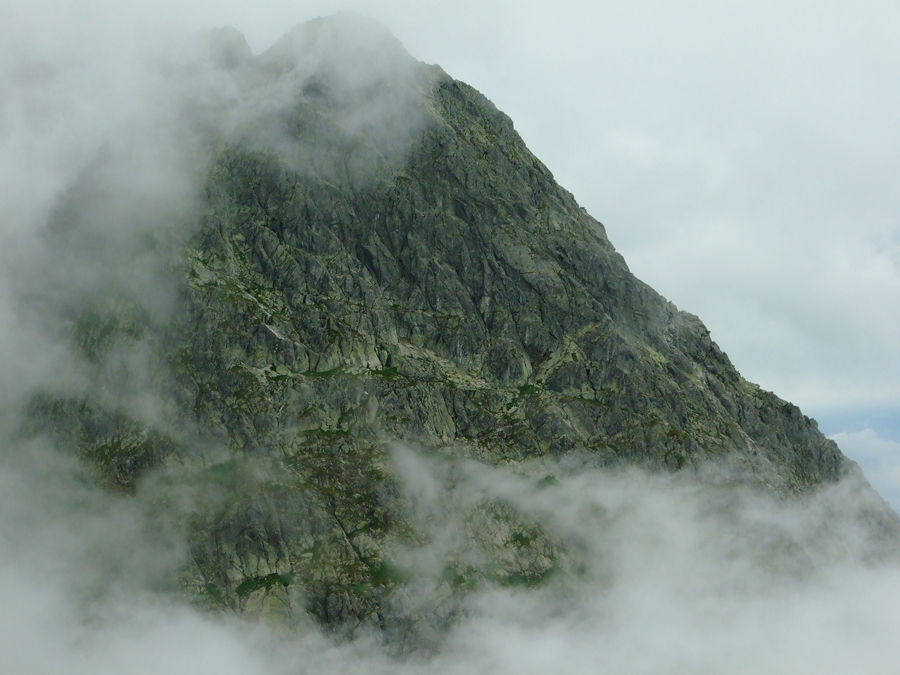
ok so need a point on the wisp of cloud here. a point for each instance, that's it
(658, 574)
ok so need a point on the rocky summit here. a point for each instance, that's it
(375, 264)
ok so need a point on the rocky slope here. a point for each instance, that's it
(379, 260)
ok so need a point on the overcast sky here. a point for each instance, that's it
(744, 157)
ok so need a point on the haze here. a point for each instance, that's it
(744, 162)
(743, 158)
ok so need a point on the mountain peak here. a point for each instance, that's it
(346, 45)
(378, 260)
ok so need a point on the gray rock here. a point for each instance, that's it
(383, 260)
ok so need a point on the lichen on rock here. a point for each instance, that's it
(412, 276)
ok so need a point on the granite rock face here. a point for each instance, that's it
(378, 261)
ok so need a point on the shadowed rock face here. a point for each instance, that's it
(381, 259)
(469, 300)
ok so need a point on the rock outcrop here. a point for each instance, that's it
(378, 260)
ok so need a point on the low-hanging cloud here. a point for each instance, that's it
(673, 575)
(878, 457)
(662, 574)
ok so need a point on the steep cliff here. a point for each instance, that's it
(377, 261)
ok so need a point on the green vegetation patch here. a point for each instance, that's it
(387, 373)
(267, 582)
(529, 579)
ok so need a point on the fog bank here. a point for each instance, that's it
(664, 573)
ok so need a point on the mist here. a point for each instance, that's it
(105, 141)
(670, 575)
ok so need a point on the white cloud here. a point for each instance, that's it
(743, 160)
(673, 577)
(879, 459)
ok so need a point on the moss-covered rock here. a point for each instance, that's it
(338, 296)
